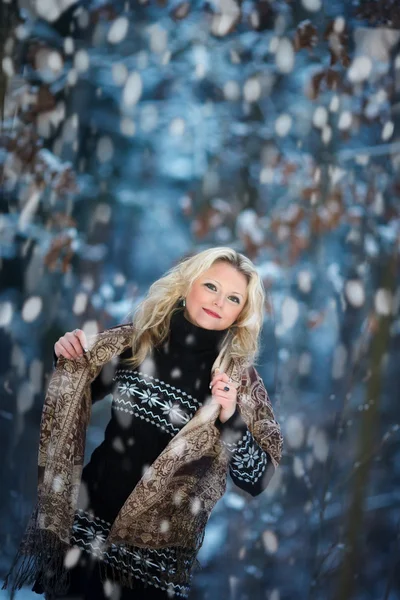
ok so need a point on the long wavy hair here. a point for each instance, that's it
(152, 316)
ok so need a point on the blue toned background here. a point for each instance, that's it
(136, 132)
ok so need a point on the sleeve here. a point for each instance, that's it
(253, 461)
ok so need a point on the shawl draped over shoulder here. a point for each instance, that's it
(180, 488)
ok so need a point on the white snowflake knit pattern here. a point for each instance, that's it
(155, 567)
(153, 400)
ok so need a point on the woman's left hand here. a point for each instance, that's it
(227, 399)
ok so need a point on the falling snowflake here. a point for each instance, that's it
(72, 557)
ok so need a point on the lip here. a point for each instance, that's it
(212, 314)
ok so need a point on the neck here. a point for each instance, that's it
(184, 334)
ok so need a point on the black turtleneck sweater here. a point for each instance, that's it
(150, 405)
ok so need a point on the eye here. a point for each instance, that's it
(213, 286)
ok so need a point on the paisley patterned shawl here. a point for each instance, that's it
(170, 505)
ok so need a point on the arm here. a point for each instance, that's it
(255, 449)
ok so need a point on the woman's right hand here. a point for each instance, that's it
(71, 345)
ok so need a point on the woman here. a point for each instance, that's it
(147, 492)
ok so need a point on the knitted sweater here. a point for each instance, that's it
(150, 404)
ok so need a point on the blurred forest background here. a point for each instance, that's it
(136, 132)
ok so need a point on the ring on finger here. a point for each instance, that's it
(75, 331)
(226, 389)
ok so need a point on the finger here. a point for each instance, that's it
(225, 402)
(80, 335)
(68, 348)
(73, 348)
(231, 383)
(74, 340)
(222, 393)
(61, 351)
(220, 385)
(73, 345)
(219, 377)
(82, 338)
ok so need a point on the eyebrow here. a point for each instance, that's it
(220, 284)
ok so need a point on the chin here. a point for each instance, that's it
(214, 324)
(207, 325)
(206, 321)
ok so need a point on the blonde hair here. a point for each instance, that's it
(152, 316)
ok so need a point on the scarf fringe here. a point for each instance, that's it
(182, 577)
(39, 558)
(44, 568)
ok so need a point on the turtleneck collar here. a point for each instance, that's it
(185, 335)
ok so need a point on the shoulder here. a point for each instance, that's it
(123, 330)
(247, 370)
(122, 326)
(252, 382)
(112, 340)
(244, 373)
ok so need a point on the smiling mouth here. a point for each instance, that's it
(209, 312)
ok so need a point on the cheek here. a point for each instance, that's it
(236, 311)
(197, 296)
(235, 308)
(232, 313)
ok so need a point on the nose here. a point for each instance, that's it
(219, 300)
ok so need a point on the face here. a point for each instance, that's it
(221, 290)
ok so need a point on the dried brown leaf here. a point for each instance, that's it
(305, 36)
